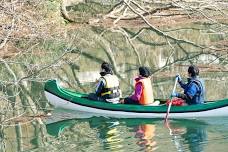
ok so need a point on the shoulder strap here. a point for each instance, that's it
(103, 79)
(199, 85)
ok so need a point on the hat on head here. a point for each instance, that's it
(144, 71)
(193, 70)
(107, 68)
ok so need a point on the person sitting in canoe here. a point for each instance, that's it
(107, 88)
(143, 92)
(194, 89)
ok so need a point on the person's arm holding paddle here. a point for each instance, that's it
(194, 89)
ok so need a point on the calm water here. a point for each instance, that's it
(105, 134)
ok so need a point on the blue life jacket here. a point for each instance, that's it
(198, 98)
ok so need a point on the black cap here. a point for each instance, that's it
(144, 71)
(193, 70)
(107, 68)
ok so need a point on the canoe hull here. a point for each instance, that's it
(59, 102)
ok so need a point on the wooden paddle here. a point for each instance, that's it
(170, 103)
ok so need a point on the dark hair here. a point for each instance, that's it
(144, 71)
(107, 67)
(193, 70)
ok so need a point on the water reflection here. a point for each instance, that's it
(106, 134)
(189, 135)
(22, 136)
(146, 134)
(140, 134)
(109, 133)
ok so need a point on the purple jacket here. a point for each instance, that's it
(138, 90)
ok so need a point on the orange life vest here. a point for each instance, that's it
(147, 96)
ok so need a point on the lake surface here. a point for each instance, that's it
(106, 134)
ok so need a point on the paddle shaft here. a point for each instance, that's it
(170, 103)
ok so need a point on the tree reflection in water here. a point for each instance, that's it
(135, 134)
(109, 133)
